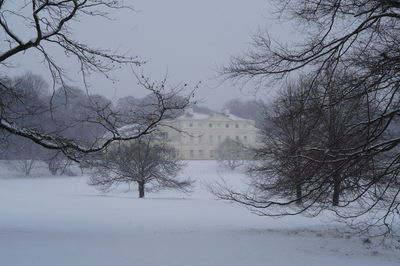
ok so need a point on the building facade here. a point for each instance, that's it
(196, 136)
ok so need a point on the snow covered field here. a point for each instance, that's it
(57, 221)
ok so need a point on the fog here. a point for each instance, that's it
(189, 41)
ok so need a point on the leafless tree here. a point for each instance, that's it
(148, 162)
(26, 165)
(360, 38)
(40, 26)
(232, 153)
(26, 153)
(289, 127)
(305, 164)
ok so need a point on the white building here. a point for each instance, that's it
(197, 135)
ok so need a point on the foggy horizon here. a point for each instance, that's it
(188, 42)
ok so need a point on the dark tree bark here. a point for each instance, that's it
(299, 194)
(141, 189)
(336, 189)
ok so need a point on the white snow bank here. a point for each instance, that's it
(63, 221)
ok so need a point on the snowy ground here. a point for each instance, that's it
(60, 221)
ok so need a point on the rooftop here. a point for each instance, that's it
(191, 115)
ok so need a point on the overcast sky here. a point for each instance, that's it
(189, 40)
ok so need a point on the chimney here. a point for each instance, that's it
(189, 111)
(226, 111)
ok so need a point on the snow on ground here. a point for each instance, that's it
(47, 220)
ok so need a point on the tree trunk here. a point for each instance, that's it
(141, 189)
(27, 166)
(336, 190)
(53, 167)
(299, 194)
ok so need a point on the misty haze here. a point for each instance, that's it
(199, 132)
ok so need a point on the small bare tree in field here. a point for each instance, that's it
(26, 165)
(232, 153)
(147, 162)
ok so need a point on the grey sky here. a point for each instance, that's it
(187, 39)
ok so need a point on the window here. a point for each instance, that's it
(200, 153)
(190, 124)
(219, 139)
(210, 125)
(237, 126)
(226, 125)
(211, 138)
(212, 153)
(164, 135)
(191, 153)
(245, 138)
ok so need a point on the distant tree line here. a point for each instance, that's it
(67, 114)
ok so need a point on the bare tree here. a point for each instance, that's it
(148, 162)
(28, 109)
(289, 127)
(37, 25)
(360, 38)
(232, 153)
(305, 166)
(356, 44)
(26, 165)
(25, 152)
